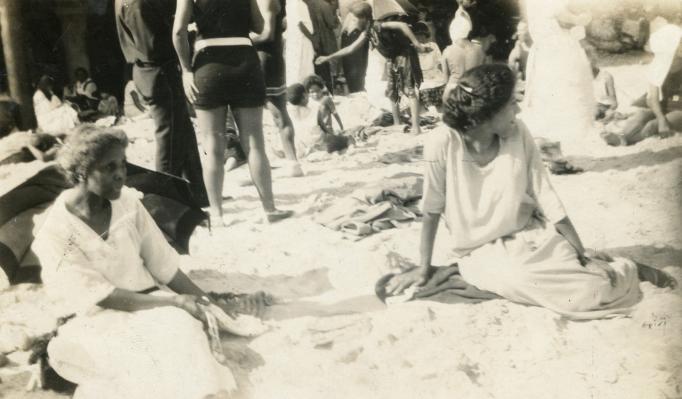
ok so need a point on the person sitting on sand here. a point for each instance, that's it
(484, 175)
(105, 260)
(662, 113)
(309, 120)
(83, 93)
(314, 87)
(604, 87)
(52, 115)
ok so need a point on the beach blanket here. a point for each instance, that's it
(445, 285)
(375, 208)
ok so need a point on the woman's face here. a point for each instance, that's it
(504, 122)
(108, 174)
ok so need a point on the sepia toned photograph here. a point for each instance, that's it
(341, 199)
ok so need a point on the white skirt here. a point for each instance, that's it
(157, 353)
(559, 101)
(537, 266)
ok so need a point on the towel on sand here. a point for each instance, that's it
(376, 208)
(445, 285)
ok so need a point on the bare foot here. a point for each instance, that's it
(659, 278)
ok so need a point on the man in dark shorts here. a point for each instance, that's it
(271, 53)
(144, 31)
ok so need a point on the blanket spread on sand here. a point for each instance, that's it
(377, 208)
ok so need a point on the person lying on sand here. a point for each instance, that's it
(485, 176)
(661, 113)
(104, 259)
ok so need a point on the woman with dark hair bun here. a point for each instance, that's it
(484, 175)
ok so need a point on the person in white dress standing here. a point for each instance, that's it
(559, 101)
(299, 52)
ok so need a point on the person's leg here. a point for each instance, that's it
(211, 126)
(277, 105)
(634, 125)
(250, 124)
(414, 109)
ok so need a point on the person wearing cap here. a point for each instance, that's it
(661, 114)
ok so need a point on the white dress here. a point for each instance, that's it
(162, 352)
(52, 115)
(501, 218)
(308, 131)
(299, 53)
(559, 100)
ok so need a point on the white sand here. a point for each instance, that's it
(334, 340)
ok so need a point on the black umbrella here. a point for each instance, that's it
(28, 188)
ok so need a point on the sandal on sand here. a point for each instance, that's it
(563, 167)
(277, 215)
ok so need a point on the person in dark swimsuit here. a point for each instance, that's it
(271, 54)
(354, 50)
(226, 72)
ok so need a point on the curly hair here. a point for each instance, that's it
(313, 80)
(295, 93)
(84, 145)
(480, 93)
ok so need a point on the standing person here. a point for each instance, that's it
(325, 23)
(391, 34)
(485, 176)
(299, 51)
(354, 52)
(144, 31)
(557, 109)
(431, 90)
(226, 72)
(271, 54)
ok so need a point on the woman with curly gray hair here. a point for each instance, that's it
(484, 175)
(104, 259)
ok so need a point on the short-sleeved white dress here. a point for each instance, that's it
(501, 219)
(161, 352)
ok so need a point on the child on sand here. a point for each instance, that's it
(604, 88)
(309, 118)
(314, 87)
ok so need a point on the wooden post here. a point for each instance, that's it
(14, 46)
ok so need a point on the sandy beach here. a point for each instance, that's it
(330, 337)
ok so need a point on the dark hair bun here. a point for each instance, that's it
(480, 93)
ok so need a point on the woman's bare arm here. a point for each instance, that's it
(361, 40)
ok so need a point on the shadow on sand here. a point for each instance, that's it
(627, 162)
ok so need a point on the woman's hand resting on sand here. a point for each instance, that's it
(400, 282)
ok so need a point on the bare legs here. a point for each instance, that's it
(278, 107)
(211, 126)
(414, 111)
(641, 125)
(250, 124)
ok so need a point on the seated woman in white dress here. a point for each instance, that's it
(484, 175)
(52, 115)
(103, 258)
